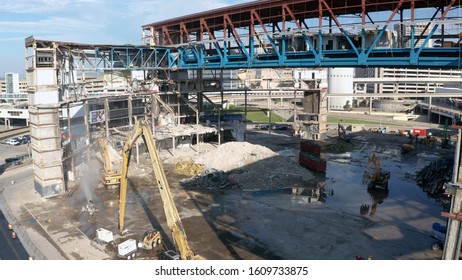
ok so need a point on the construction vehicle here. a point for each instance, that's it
(151, 239)
(141, 128)
(375, 177)
(409, 147)
(342, 134)
(110, 178)
(445, 140)
(429, 140)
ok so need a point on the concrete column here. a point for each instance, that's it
(453, 238)
(46, 150)
(219, 126)
(106, 116)
(370, 105)
(130, 110)
(245, 114)
(86, 122)
(270, 109)
(69, 134)
(429, 117)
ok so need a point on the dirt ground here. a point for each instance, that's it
(253, 213)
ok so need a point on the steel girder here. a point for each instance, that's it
(262, 35)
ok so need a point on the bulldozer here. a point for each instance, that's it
(375, 177)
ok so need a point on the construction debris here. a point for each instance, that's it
(189, 168)
(233, 155)
(433, 177)
(273, 173)
(340, 147)
(90, 208)
(209, 179)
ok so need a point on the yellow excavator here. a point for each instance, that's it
(375, 177)
(110, 178)
(141, 128)
(342, 134)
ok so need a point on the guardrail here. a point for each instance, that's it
(13, 132)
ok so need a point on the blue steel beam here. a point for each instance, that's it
(195, 57)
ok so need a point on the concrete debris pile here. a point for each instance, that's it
(188, 168)
(233, 155)
(254, 167)
(433, 176)
(277, 172)
(209, 179)
(338, 148)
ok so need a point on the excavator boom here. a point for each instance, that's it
(171, 212)
(110, 177)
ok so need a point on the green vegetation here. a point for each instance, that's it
(255, 114)
(354, 121)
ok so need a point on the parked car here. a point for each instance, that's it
(12, 159)
(25, 140)
(13, 142)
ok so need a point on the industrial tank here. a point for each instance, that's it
(340, 80)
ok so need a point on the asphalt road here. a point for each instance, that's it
(10, 249)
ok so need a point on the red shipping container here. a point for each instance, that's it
(419, 131)
(310, 147)
(312, 162)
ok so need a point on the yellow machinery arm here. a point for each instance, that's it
(171, 212)
(105, 154)
(110, 178)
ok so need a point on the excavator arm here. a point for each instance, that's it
(110, 177)
(105, 154)
(171, 212)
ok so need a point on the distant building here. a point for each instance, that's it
(12, 88)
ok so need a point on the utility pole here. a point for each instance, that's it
(453, 239)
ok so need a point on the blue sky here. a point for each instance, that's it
(84, 21)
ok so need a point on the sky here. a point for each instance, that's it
(84, 21)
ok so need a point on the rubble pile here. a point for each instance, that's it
(272, 173)
(338, 148)
(433, 176)
(188, 168)
(233, 155)
(209, 179)
(248, 167)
